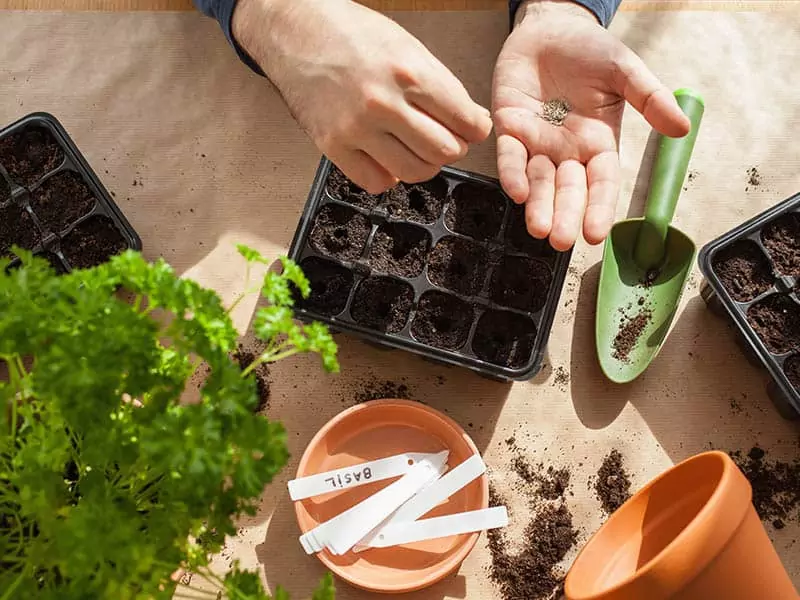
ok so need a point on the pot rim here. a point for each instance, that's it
(716, 522)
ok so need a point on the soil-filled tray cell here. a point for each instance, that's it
(340, 231)
(521, 283)
(776, 320)
(16, 228)
(518, 238)
(744, 270)
(54, 261)
(419, 202)
(400, 249)
(442, 320)
(61, 200)
(781, 238)
(504, 338)
(30, 154)
(92, 243)
(792, 369)
(341, 188)
(330, 286)
(382, 303)
(476, 211)
(458, 265)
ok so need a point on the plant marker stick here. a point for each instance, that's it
(430, 497)
(341, 533)
(354, 476)
(439, 527)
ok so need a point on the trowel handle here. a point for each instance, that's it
(669, 173)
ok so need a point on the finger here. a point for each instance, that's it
(440, 94)
(603, 177)
(397, 159)
(363, 170)
(539, 209)
(570, 204)
(511, 160)
(643, 90)
(428, 138)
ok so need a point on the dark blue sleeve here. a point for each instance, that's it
(222, 11)
(604, 10)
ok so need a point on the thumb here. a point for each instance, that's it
(643, 90)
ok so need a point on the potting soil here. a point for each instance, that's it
(613, 484)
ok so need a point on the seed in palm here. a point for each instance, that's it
(555, 111)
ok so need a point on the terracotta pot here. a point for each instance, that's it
(691, 534)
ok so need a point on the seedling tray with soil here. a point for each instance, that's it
(445, 269)
(52, 202)
(752, 276)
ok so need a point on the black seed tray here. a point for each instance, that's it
(47, 184)
(466, 285)
(752, 277)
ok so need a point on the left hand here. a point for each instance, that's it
(569, 174)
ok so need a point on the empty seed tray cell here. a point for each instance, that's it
(752, 276)
(445, 269)
(52, 202)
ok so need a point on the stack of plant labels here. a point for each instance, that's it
(392, 516)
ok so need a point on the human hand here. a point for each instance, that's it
(564, 164)
(371, 96)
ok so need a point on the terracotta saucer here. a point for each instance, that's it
(374, 430)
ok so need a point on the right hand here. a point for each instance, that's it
(372, 97)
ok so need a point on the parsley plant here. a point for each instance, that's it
(108, 480)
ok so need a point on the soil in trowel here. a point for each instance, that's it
(532, 571)
(613, 485)
(630, 330)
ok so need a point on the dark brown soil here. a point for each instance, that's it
(245, 358)
(613, 485)
(518, 238)
(476, 211)
(61, 200)
(30, 154)
(753, 178)
(792, 369)
(781, 237)
(54, 261)
(458, 265)
(419, 202)
(92, 243)
(504, 338)
(776, 486)
(5, 191)
(400, 249)
(341, 188)
(744, 270)
(521, 283)
(382, 303)
(378, 390)
(533, 573)
(442, 320)
(776, 320)
(630, 330)
(16, 228)
(340, 231)
(330, 286)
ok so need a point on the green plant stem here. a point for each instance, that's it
(269, 357)
(239, 299)
(17, 582)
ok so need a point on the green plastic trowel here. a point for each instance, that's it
(646, 263)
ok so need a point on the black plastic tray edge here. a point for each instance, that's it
(442, 356)
(704, 258)
(103, 197)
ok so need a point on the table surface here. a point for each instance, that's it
(414, 5)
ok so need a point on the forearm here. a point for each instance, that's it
(603, 10)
